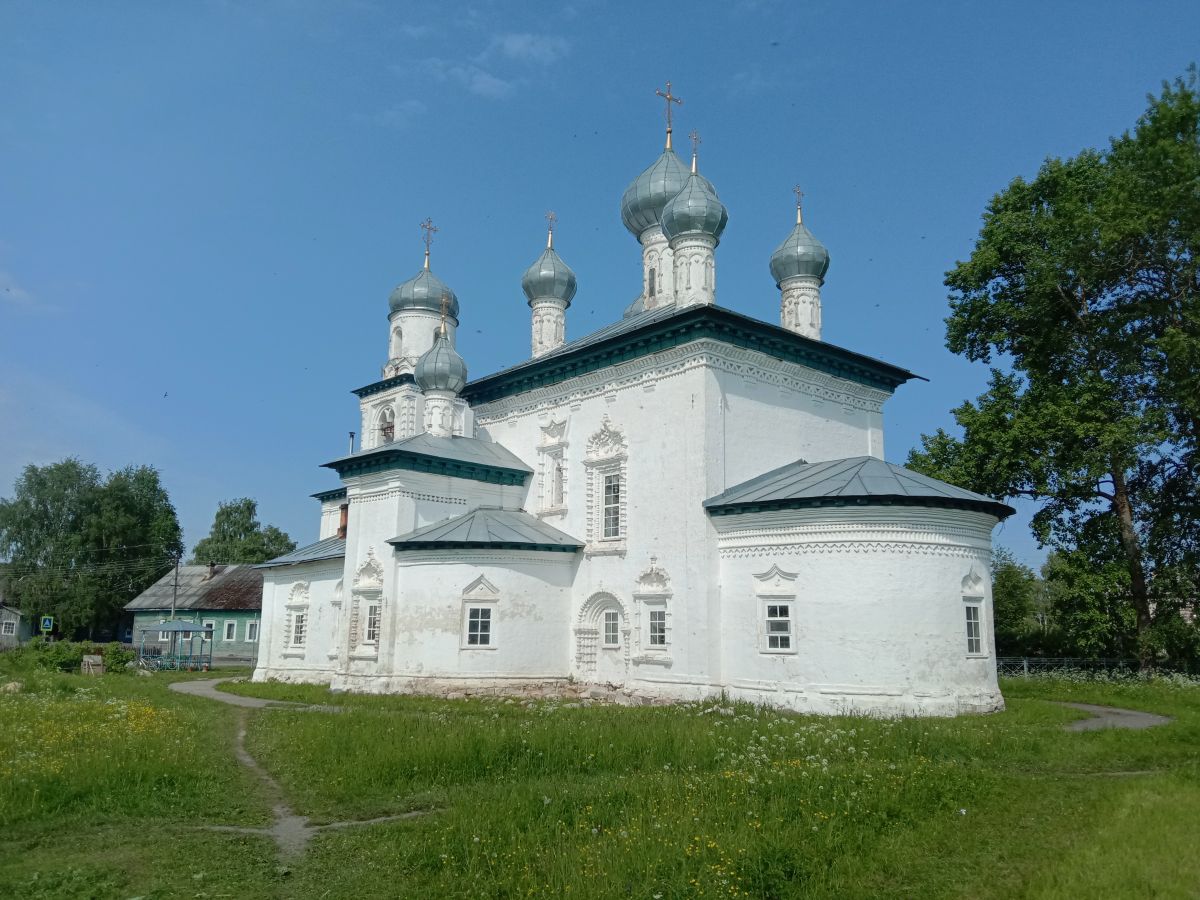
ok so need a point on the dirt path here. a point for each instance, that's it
(290, 832)
(1112, 717)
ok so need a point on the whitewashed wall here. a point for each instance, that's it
(877, 606)
(312, 588)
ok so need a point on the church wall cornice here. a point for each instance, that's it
(675, 361)
(690, 325)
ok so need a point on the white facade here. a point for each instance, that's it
(550, 524)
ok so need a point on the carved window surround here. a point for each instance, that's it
(774, 589)
(552, 455)
(296, 617)
(607, 454)
(653, 594)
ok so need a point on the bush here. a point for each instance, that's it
(67, 656)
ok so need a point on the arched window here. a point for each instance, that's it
(652, 283)
(386, 425)
(397, 342)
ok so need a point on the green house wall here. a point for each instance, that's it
(237, 649)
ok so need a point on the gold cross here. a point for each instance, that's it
(551, 218)
(430, 229)
(695, 136)
(799, 197)
(445, 310)
(670, 98)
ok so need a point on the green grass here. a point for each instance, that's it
(600, 801)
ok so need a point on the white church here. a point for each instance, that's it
(686, 503)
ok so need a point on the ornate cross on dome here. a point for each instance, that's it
(430, 230)
(445, 307)
(551, 218)
(799, 197)
(670, 98)
(695, 136)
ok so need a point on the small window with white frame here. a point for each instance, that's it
(230, 633)
(374, 617)
(252, 632)
(658, 627)
(778, 623)
(208, 626)
(164, 636)
(299, 629)
(973, 609)
(479, 627)
(8, 628)
(612, 628)
(611, 516)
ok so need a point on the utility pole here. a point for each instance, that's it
(175, 592)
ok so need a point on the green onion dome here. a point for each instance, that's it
(650, 192)
(800, 254)
(424, 291)
(549, 277)
(695, 210)
(440, 368)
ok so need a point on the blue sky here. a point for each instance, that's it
(204, 206)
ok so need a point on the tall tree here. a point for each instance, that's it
(1085, 280)
(1015, 595)
(80, 547)
(238, 537)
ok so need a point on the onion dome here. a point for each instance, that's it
(800, 254)
(650, 192)
(424, 291)
(440, 368)
(695, 210)
(549, 277)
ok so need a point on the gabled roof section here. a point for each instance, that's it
(329, 548)
(858, 481)
(230, 587)
(505, 529)
(663, 327)
(457, 457)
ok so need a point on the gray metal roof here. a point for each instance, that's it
(229, 587)
(489, 527)
(329, 548)
(460, 449)
(859, 480)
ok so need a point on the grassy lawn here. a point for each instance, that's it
(103, 780)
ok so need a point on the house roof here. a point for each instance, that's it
(230, 587)
(488, 527)
(669, 326)
(328, 548)
(458, 457)
(860, 480)
(12, 609)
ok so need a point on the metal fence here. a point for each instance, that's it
(1025, 665)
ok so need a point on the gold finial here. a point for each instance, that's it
(551, 218)
(445, 310)
(430, 230)
(670, 98)
(695, 136)
(799, 197)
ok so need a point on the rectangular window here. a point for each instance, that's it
(209, 627)
(373, 616)
(231, 631)
(299, 628)
(612, 506)
(658, 627)
(974, 629)
(556, 483)
(8, 628)
(479, 626)
(164, 635)
(612, 625)
(779, 626)
(252, 632)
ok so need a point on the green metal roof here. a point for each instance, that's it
(549, 277)
(334, 494)
(695, 210)
(508, 529)
(329, 548)
(857, 481)
(456, 457)
(669, 326)
(440, 368)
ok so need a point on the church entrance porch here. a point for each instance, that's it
(602, 634)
